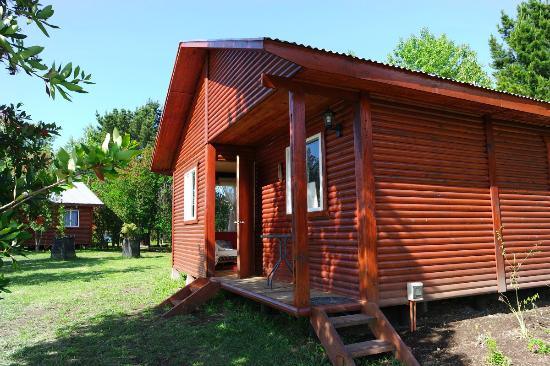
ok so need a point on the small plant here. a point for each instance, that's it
(519, 306)
(130, 231)
(495, 356)
(537, 345)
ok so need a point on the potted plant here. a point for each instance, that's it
(63, 245)
(130, 244)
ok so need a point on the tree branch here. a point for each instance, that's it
(16, 203)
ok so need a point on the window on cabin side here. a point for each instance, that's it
(314, 175)
(190, 195)
(72, 218)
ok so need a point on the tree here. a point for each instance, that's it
(141, 124)
(439, 56)
(18, 56)
(522, 60)
(27, 170)
(156, 214)
(133, 196)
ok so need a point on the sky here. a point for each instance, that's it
(129, 46)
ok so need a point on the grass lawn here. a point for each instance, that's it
(98, 310)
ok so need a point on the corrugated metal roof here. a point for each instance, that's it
(400, 68)
(79, 195)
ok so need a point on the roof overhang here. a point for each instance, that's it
(349, 71)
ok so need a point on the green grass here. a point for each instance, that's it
(99, 310)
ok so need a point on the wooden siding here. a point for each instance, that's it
(234, 83)
(333, 236)
(433, 205)
(188, 238)
(82, 233)
(522, 176)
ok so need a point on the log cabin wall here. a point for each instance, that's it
(188, 249)
(234, 87)
(332, 235)
(522, 176)
(433, 206)
(82, 233)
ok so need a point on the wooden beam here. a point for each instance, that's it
(297, 115)
(280, 82)
(245, 216)
(365, 200)
(495, 203)
(210, 210)
(368, 70)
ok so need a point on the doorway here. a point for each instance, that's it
(234, 217)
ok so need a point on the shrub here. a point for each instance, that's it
(495, 356)
(537, 345)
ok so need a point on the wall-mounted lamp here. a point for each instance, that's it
(330, 122)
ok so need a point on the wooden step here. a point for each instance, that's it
(175, 301)
(202, 292)
(368, 348)
(351, 320)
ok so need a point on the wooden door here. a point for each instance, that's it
(245, 215)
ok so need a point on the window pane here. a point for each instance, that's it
(189, 195)
(313, 169)
(67, 218)
(74, 218)
(226, 208)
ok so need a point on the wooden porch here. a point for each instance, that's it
(281, 296)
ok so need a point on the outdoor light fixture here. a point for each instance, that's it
(330, 123)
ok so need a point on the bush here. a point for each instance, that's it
(537, 345)
(495, 356)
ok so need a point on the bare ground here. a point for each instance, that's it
(452, 332)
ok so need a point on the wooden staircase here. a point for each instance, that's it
(188, 298)
(325, 321)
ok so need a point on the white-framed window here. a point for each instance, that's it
(314, 175)
(190, 195)
(72, 218)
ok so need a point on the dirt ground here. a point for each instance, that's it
(452, 332)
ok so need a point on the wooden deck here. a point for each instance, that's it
(281, 296)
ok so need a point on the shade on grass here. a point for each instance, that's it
(98, 310)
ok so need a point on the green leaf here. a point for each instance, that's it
(126, 155)
(76, 71)
(31, 51)
(63, 156)
(72, 87)
(67, 70)
(117, 139)
(45, 13)
(63, 93)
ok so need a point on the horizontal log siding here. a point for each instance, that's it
(433, 205)
(82, 233)
(522, 176)
(188, 238)
(234, 83)
(332, 238)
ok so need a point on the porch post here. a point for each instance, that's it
(495, 202)
(210, 210)
(297, 115)
(366, 200)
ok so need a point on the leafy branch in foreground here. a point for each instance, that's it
(17, 55)
(29, 173)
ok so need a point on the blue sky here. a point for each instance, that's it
(130, 46)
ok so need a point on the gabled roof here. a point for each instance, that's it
(79, 195)
(191, 55)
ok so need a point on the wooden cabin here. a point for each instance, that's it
(410, 181)
(79, 203)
